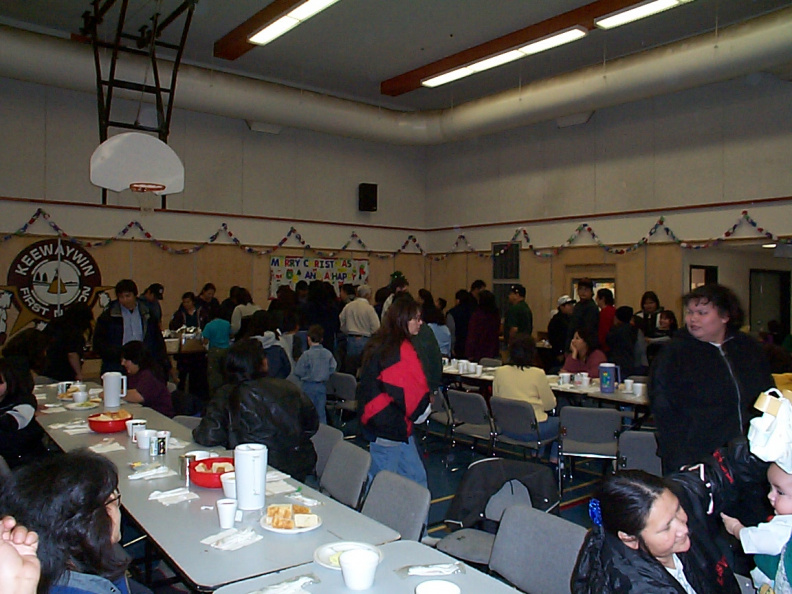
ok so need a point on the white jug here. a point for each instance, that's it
(115, 387)
(250, 465)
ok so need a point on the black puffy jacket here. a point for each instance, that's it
(268, 411)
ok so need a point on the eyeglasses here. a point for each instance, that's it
(116, 498)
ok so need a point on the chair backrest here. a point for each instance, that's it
(324, 441)
(399, 503)
(187, 421)
(515, 417)
(590, 425)
(536, 551)
(638, 450)
(469, 407)
(5, 470)
(490, 362)
(345, 473)
(342, 385)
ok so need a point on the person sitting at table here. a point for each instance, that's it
(146, 383)
(520, 380)
(583, 357)
(253, 408)
(73, 503)
(20, 434)
(27, 352)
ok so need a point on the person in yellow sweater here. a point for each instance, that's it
(519, 379)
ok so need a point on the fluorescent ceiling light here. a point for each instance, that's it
(768, 246)
(540, 45)
(642, 10)
(286, 23)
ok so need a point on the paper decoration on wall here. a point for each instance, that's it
(139, 162)
(289, 270)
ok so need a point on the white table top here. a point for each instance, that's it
(178, 529)
(395, 555)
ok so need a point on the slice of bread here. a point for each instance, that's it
(305, 520)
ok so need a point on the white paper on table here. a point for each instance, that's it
(232, 539)
(70, 425)
(53, 409)
(40, 395)
(291, 586)
(173, 496)
(175, 443)
(435, 569)
(307, 501)
(106, 446)
(276, 475)
(152, 473)
(279, 487)
(77, 430)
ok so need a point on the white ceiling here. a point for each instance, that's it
(349, 49)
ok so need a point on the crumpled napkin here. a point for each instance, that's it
(107, 445)
(276, 475)
(278, 487)
(435, 569)
(53, 409)
(302, 499)
(152, 473)
(173, 496)
(70, 424)
(174, 443)
(232, 539)
(291, 586)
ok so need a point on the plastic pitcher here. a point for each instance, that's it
(115, 387)
(250, 465)
(610, 376)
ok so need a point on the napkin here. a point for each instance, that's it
(107, 445)
(278, 487)
(172, 496)
(232, 539)
(302, 499)
(151, 473)
(40, 395)
(76, 430)
(177, 444)
(289, 586)
(53, 409)
(70, 425)
(94, 391)
(276, 475)
(436, 569)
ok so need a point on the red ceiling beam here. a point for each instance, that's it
(583, 16)
(235, 44)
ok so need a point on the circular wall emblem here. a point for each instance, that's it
(50, 275)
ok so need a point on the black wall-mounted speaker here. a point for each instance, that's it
(367, 197)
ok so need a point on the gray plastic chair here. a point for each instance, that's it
(535, 551)
(471, 416)
(490, 362)
(587, 433)
(324, 441)
(5, 471)
(345, 473)
(342, 390)
(516, 417)
(638, 450)
(399, 503)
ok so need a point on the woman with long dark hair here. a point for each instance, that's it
(584, 355)
(394, 392)
(253, 408)
(20, 434)
(146, 383)
(72, 502)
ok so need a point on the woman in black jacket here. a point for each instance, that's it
(253, 408)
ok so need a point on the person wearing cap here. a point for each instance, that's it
(153, 295)
(519, 318)
(585, 314)
(559, 325)
(358, 321)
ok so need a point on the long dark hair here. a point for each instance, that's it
(29, 349)
(244, 361)
(626, 500)
(138, 353)
(394, 329)
(522, 350)
(64, 498)
(487, 303)
(17, 384)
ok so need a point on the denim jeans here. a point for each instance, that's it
(547, 429)
(399, 457)
(317, 392)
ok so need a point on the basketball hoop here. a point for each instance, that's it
(146, 187)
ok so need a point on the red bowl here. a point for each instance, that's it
(210, 480)
(113, 426)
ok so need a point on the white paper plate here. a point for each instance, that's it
(266, 526)
(87, 405)
(93, 391)
(327, 555)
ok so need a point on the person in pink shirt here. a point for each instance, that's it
(582, 357)
(605, 302)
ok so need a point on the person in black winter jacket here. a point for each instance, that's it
(20, 434)
(253, 408)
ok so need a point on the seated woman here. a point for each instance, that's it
(520, 380)
(72, 502)
(145, 381)
(253, 408)
(260, 326)
(20, 434)
(642, 542)
(582, 356)
(27, 352)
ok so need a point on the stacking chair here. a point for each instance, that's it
(535, 551)
(587, 433)
(345, 473)
(441, 412)
(188, 421)
(471, 416)
(342, 387)
(516, 417)
(399, 503)
(324, 441)
(490, 362)
(5, 471)
(638, 450)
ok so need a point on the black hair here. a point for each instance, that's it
(243, 296)
(189, 295)
(394, 329)
(301, 285)
(650, 296)
(209, 287)
(399, 283)
(349, 289)
(477, 284)
(430, 314)
(139, 354)
(586, 337)
(522, 351)
(586, 282)
(126, 286)
(441, 303)
(63, 497)
(624, 314)
(316, 333)
(245, 360)
(487, 302)
(724, 300)
(672, 320)
(382, 295)
(606, 295)
(18, 384)
(626, 500)
(28, 349)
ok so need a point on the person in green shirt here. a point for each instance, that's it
(519, 318)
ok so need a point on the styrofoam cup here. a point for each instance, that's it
(79, 397)
(228, 480)
(144, 438)
(358, 567)
(628, 385)
(226, 511)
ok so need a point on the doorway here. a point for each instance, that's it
(769, 299)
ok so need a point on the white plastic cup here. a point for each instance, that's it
(80, 387)
(133, 426)
(479, 369)
(79, 397)
(358, 567)
(628, 385)
(639, 389)
(585, 381)
(63, 387)
(144, 438)
(228, 480)
(226, 511)
(203, 454)
(564, 379)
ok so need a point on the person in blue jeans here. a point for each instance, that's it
(314, 368)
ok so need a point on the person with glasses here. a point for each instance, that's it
(73, 503)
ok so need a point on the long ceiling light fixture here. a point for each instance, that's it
(289, 21)
(540, 45)
(635, 13)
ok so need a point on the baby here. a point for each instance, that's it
(769, 541)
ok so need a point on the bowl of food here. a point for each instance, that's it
(109, 422)
(207, 472)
